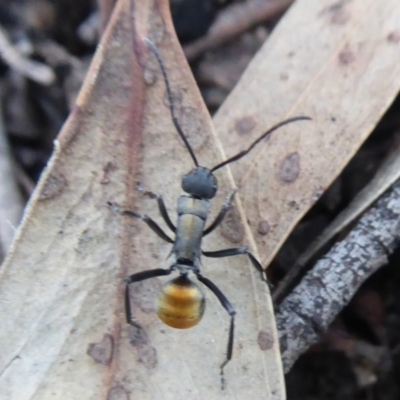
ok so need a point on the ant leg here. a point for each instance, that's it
(161, 206)
(139, 276)
(222, 213)
(150, 222)
(231, 311)
(236, 251)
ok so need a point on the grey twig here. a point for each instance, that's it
(329, 286)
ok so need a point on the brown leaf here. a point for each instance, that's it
(340, 65)
(62, 287)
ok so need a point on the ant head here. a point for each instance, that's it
(181, 303)
(200, 183)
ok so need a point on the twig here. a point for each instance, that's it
(329, 286)
(32, 69)
(235, 20)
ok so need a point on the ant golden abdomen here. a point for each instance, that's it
(181, 302)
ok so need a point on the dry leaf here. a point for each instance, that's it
(65, 334)
(339, 63)
(342, 68)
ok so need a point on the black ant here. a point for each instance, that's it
(181, 301)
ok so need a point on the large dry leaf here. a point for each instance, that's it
(64, 333)
(339, 63)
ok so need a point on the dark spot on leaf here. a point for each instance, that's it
(87, 242)
(146, 353)
(102, 352)
(393, 37)
(337, 13)
(245, 125)
(109, 167)
(53, 186)
(265, 340)
(284, 76)
(346, 57)
(340, 16)
(118, 393)
(263, 227)
(232, 228)
(289, 169)
(138, 337)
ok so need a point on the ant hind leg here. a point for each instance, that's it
(139, 276)
(231, 311)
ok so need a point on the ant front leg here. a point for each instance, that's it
(139, 276)
(222, 213)
(237, 251)
(161, 206)
(231, 311)
(149, 221)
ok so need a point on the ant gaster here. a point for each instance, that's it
(181, 301)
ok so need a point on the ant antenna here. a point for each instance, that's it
(155, 51)
(269, 131)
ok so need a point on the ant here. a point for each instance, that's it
(181, 301)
